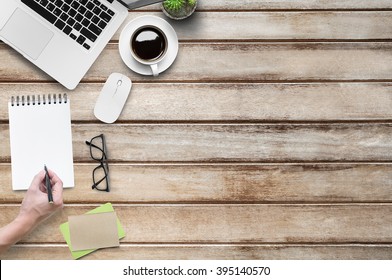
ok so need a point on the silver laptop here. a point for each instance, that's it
(63, 37)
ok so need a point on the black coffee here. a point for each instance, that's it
(148, 43)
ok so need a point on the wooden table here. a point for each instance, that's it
(269, 137)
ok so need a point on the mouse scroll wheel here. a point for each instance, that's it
(119, 82)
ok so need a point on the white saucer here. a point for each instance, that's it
(132, 26)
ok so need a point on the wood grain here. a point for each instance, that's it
(342, 223)
(228, 143)
(200, 102)
(277, 26)
(256, 61)
(268, 138)
(268, 183)
(209, 252)
(245, 5)
(316, 25)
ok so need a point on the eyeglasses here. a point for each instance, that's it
(101, 172)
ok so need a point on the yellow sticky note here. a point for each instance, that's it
(64, 228)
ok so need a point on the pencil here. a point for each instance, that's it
(48, 185)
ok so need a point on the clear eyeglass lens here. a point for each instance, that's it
(97, 148)
(100, 178)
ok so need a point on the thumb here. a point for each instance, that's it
(37, 180)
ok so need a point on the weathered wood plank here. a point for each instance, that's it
(341, 223)
(279, 25)
(209, 252)
(315, 25)
(227, 102)
(176, 220)
(320, 183)
(228, 143)
(286, 5)
(245, 62)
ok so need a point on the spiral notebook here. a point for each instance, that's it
(40, 134)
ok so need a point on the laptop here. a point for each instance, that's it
(63, 37)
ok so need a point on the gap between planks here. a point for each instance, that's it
(216, 244)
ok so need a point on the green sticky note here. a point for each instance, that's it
(64, 228)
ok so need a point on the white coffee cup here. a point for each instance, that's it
(148, 45)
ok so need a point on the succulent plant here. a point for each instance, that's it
(179, 9)
(173, 5)
(192, 2)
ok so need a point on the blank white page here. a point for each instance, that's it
(40, 134)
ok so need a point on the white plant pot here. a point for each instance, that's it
(182, 13)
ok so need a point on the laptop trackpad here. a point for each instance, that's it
(26, 34)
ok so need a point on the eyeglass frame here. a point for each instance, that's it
(103, 163)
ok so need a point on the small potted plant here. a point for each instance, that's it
(179, 9)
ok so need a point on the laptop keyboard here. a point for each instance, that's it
(81, 20)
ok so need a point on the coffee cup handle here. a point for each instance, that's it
(154, 69)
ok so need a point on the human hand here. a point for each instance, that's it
(35, 208)
(35, 205)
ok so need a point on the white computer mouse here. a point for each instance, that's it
(112, 99)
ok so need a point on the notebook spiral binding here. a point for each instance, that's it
(38, 99)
